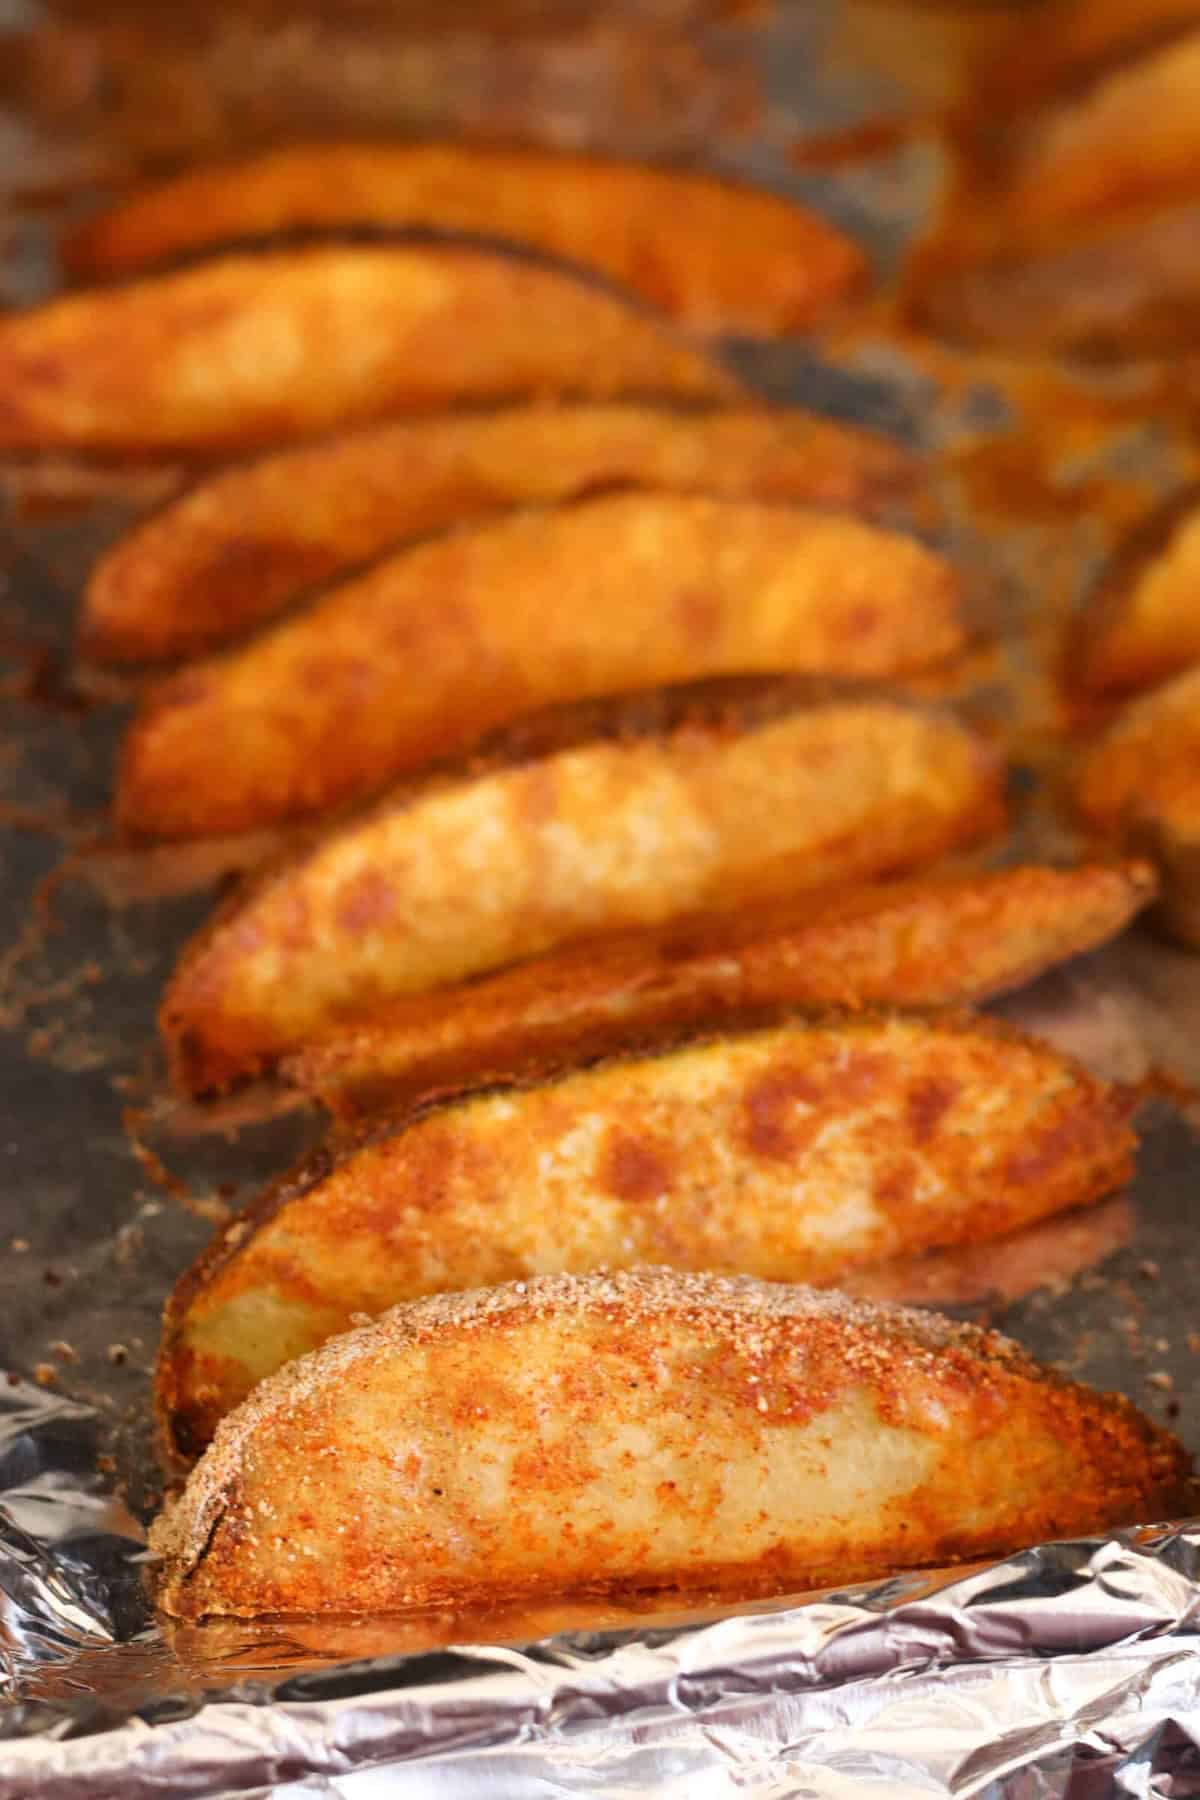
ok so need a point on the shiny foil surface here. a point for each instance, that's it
(1070, 1670)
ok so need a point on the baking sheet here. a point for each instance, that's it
(110, 1189)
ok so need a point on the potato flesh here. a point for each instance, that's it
(242, 545)
(732, 257)
(792, 1154)
(918, 943)
(418, 658)
(626, 1433)
(481, 873)
(254, 350)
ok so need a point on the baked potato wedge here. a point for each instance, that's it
(721, 255)
(665, 805)
(631, 1432)
(259, 348)
(794, 1153)
(426, 652)
(1141, 623)
(1139, 787)
(936, 941)
(243, 544)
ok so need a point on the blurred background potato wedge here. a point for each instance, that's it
(1139, 786)
(260, 348)
(625, 1433)
(733, 257)
(666, 805)
(1141, 623)
(246, 542)
(795, 1153)
(936, 941)
(430, 649)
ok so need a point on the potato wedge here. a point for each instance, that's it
(624, 1433)
(423, 654)
(721, 255)
(921, 943)
(1141, 623)
(1139, 787)
(245, 543)
(794, 1153)
(1131, 137)
(258, 349)
(697, 805)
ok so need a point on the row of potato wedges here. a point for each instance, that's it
(574, 929)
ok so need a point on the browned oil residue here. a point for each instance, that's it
(209, 1207)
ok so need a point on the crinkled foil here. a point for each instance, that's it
(1068, 1670)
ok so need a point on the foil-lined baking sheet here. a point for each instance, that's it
(1069, 1670)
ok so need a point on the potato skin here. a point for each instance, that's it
(1139, 787)
(794, 1154)
(422, 655)
(243, 544)
(716, 253)
(1141, 623)
(927, 942)
(619, 1434)
(675, 804)
(255, 349)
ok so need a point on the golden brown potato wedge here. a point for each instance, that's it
(654, 1430)
(721, 255)
(686, 807)
(1131, 136)
(243, 544)
(794, 1153)
(420, 656)
(919, 943)
(257, 349)
(1139, 787)
(1141, 623)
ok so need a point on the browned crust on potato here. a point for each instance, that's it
(250, 350)
(1139, 787)
(420, 656)
(938, 941)
(878, 1115)
(1126, 639)
(619, 814)
(247, 542)
(720, 254)
(1004, 1453)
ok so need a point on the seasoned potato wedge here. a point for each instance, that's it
(1131, 136)
(692, 807)
(793, 1153)
(718, 254)
(623, 1433)
(1139, 786)
(257, 349)
(241, 545)
(920, 943)
(1142, 622)
(420, 656)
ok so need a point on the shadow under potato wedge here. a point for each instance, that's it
(1141, 623)
(420, 656)
(623, 1433)
(259, 348)
(1138, 787)
(716, 253)
(664, 805)
(246, 542)
(937, 941)
(794, 1153)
